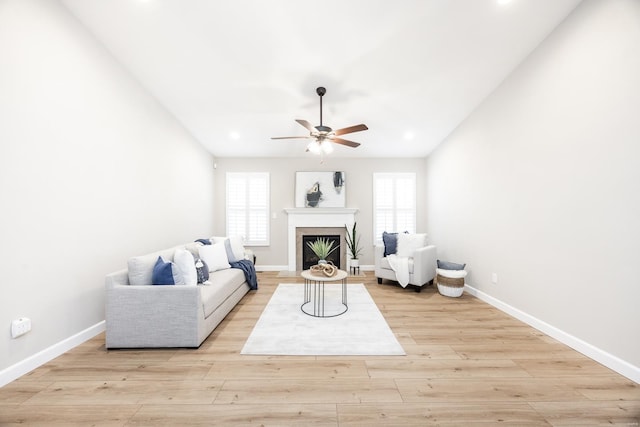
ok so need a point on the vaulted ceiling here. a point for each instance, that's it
(237, 72)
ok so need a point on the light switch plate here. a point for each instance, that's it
(20, 327)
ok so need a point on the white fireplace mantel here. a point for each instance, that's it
(314, 217)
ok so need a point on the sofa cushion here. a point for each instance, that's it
(223, 283)
(140, 268)
(215, 256)
(184, 262)
(409, 243)
(166, 273)
(193, 247)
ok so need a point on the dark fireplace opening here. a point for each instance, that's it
(309, 258)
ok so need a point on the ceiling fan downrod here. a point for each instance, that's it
(321, 91)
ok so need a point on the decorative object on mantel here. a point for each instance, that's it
(324, 136)
(450, 278)
(320, 189)
(322, 247)
(353, 243)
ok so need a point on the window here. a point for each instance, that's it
(248, 207)
(394, 203)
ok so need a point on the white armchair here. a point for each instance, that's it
(422, 266)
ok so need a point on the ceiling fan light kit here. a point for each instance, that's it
(321, 148)
(323, 136)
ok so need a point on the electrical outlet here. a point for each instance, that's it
(494, 278)
(20, 327)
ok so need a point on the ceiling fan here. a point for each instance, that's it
(323, 135)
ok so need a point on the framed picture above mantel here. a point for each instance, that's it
(320, 189)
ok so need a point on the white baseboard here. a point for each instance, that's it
(286, 267)
(609, 360)
(30, 363)
(271, 267)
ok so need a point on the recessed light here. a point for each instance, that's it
(408, 135)
(234, 135)
(503, 1)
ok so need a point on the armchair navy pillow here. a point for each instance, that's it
(446, 265)
(390, 241)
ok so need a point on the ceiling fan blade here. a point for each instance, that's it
(306, 124)
(291, 137)
(345, 142)
(351, 129)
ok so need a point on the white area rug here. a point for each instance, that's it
(283, 329)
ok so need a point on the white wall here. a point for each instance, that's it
(92, 171)
(541, 183)
(359, 194)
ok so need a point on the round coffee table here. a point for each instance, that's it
(314, 293)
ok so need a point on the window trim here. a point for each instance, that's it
(246, 177)
(394, 176)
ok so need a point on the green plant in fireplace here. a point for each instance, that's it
(322, 247)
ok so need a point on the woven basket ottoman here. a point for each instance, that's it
(450, 282)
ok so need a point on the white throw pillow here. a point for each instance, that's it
(215, 256)
(409, 243)
(185, 263)
(237, 246)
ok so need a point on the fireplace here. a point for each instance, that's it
(317, 222)
(309, 258)
(339, 257)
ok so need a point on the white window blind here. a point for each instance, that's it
(394, 203)
(248, 207)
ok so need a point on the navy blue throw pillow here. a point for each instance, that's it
(446, 265)
(204, 241)
(162, 273)
(390, 241)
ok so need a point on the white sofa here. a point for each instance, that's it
(422, 266)
(146, 315)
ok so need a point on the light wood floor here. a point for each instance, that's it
(467, 363)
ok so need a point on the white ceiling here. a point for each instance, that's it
(236, 72)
